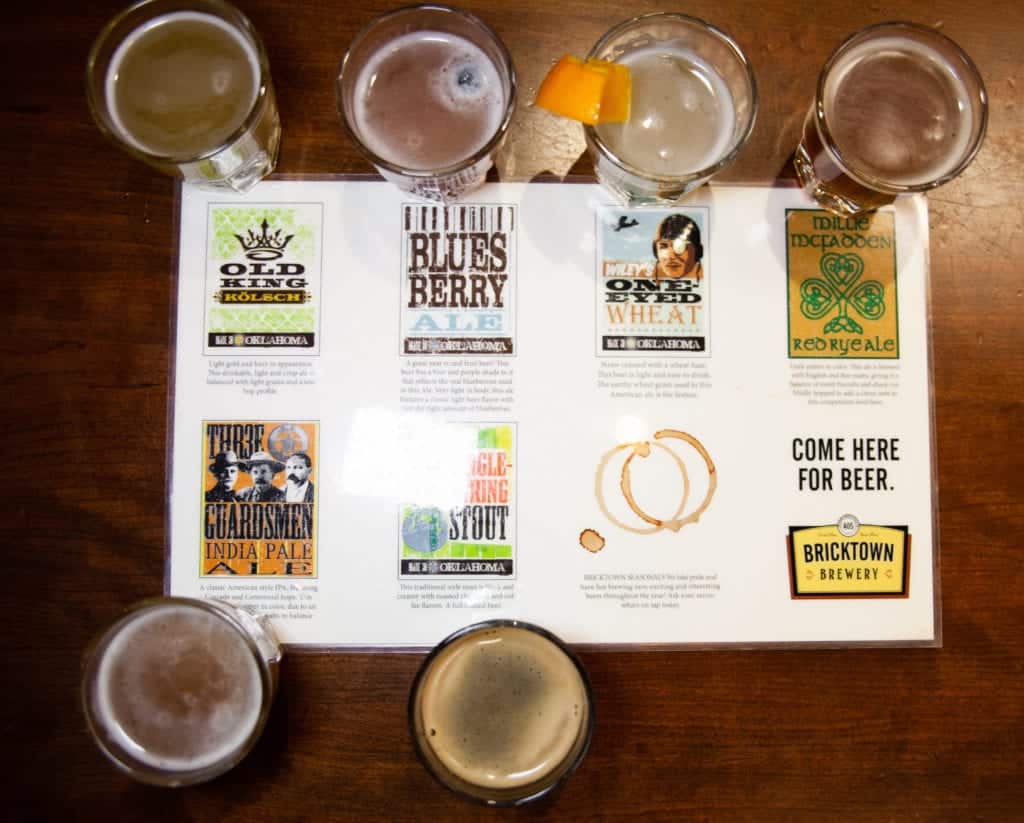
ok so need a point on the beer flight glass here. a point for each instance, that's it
(177, 691)
(899, 108)
(427, 94)
(694, 102)
(184, 85)
(501, 712)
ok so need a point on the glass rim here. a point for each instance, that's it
(118, 755)
(587, 731)
(827, 140)
(592, 136)
(99, 110)
(453, 168)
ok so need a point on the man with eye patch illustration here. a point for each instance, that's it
(677, 249)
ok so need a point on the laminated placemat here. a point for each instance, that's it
(709, 424)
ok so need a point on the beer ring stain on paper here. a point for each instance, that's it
(642, 449)
(591, 541)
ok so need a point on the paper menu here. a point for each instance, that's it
(700, 425)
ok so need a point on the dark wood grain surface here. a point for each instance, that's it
(864, 734)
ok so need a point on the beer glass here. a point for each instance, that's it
(501, 712)
(899, 108)
(427, 93)
(177, 691)
(694, 102)
(184, 85)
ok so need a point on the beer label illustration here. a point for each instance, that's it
(652, 282)
(458, 279)
(849, 559)
(471, 533)
(263, 273)
(841, 285)
(259, 499)
(647, 486)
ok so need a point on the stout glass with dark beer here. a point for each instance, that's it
(501, 712)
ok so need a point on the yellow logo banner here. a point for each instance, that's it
(828, 561)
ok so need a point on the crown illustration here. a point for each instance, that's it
(263, 246)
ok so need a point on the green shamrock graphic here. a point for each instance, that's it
(839, 288)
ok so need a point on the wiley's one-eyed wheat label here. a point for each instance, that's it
(263, 272)
(841, 285)
(652, 282)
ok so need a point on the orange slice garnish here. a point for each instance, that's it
(592, 91)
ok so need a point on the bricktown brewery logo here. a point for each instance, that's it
(458, 279)
(263, 278)
(841, 285)
(652, 282)
(848, 559)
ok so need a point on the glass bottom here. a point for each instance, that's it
(444, 190)
(633, 190)
(830, 186)
(241, 166)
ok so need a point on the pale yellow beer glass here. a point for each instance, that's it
(184, 85)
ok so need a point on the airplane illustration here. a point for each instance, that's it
(626, 223)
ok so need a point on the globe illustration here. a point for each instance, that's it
(424, 530)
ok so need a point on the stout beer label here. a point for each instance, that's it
(469, 530)
(263, 279)
(260, 493)
(841, 285)
(652, 282)
(849, 559)
(458, 279)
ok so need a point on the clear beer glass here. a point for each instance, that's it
(694, 103)
(501, 712)
(899, 108)
(184, 85)
(177, 691)
(427, 94)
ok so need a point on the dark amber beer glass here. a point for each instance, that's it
(899, 108)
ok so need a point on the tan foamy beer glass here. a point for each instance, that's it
(177, 691)
(427, 94)
(501, 712)
(184, 85)
(899, 108)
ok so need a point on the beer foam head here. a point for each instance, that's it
(503, 708)
(427, 100)
(467, 80)
(178, 688)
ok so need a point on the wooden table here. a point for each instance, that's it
(865, 734)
